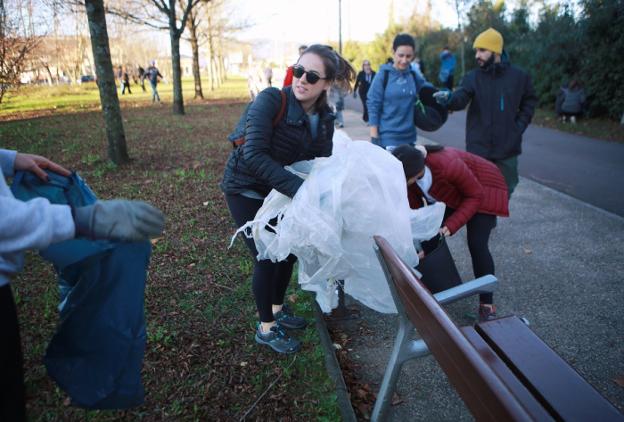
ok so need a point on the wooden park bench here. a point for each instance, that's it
(500, 368)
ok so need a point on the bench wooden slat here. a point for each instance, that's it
(484, 393)
(533, 407)
(551, 380)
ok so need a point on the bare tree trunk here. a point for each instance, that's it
(222, 64)
(211, 46)
(176, 71)
(117, 151)
(192, 26)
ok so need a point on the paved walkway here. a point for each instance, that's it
(560, 264)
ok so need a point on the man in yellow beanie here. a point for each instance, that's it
(502, 102)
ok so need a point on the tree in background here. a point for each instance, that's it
(602, 61)
(161, 14)
(17, 42)
(117, 151)
(193, 26)
(552, 53)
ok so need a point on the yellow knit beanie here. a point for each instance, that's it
(489, 40)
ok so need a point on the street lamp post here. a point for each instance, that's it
(340, 26)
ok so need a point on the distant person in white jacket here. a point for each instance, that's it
(35, 225)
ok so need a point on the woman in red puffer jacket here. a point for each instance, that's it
(474, 192)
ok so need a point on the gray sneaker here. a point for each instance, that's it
(287, 319)
(278, 340)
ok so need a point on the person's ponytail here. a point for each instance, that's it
(345, 74)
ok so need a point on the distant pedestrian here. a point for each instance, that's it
(289, 72)
(119, 76)
(125, 81)
(447, 68)
(474, 192)
(571, 101)
(268, 76)
(502, 102)
(416, 66)
(303, 131)
(392, 97)
(362, 85)
(336, 98)
(153, 75)
(142, 77)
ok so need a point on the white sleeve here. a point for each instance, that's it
(7, 159)
(33, 225)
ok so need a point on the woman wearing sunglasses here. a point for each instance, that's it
(304, 132)
(392, 96)
(474, 191)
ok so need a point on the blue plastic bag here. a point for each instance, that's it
(97, 352)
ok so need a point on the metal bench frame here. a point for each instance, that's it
(404, 348)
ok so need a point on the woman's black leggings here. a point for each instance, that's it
(12, 398)
(270, 279)
(479, 228)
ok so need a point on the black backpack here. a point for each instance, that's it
(237, 137)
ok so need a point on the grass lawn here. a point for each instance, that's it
(31, 101)
(201, 362)
(593, 128)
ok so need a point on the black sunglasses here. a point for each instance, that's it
(311, 77)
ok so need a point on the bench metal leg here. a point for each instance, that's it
(404, 349)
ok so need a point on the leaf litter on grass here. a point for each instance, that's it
(198, 304)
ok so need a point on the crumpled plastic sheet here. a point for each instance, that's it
(346, 199)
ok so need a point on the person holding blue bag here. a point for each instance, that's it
(37, 224)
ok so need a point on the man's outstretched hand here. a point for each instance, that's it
(442, 97)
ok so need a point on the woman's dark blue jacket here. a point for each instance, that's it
(258, 164)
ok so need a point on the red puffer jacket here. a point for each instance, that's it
(464, 182)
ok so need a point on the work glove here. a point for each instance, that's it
(443, 97)
(128, 221)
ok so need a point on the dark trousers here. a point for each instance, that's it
(449, 82)
(12, 397)
(124, 86)
(363, 98)
(270, 279)
(478, 230)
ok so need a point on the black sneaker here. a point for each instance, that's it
(278, 340)
(287, 319)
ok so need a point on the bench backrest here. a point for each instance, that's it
(487, 397)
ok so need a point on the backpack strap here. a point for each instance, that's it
(387, 72)
(282, 109)
(280, 113)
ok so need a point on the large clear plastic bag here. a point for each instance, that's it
(329, 225)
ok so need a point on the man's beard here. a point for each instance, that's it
(486, 63)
